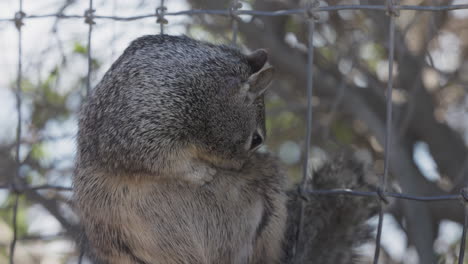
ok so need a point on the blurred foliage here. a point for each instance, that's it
(49, 104)
(6, 213)
(360, 39)
(343, 132)
(44, 102)
(80, 49)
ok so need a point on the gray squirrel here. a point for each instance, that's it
(167, 169)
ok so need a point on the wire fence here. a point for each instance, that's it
(310, 11)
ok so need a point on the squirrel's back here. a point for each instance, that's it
(167, 170)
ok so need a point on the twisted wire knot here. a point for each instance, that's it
(233, 10)
(15, 188)
(381, 194)
(311, 10)
(302, 193)
(464, 194)
(89, 16)
(19, 19)
(160, 11)
(391, 8)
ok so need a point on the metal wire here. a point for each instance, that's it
(309, 89)
(388, 134)
(461, 255)
(234, 20)
(18, 23)
(89, 19)
(160, 13)
(435, 198)
(298, 11)
(392, 10)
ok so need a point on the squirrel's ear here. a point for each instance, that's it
(257, 84)
(257, 59)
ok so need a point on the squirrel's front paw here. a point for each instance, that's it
(200, 174)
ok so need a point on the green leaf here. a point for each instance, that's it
(80, 49)
(342, 132)
(37, 151)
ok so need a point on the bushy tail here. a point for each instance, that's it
(333, 225)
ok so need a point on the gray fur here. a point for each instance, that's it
(334, 225)
(164, 172)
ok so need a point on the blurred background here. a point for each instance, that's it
(430, 134)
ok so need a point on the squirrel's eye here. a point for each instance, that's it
(257, 140)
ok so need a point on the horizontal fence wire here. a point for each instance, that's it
(17, 187)
(221, 12)
(404, 196)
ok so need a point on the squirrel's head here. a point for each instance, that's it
(169, 98)
(234, 125)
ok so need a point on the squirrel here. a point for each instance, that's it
(167, 168)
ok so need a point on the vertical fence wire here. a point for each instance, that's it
(15, 180)
(161, 20)
(114, 34)
(89, 19)
(305, 169)
(388, 133)
(81, 255)
(234, 20)
(461, 255)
